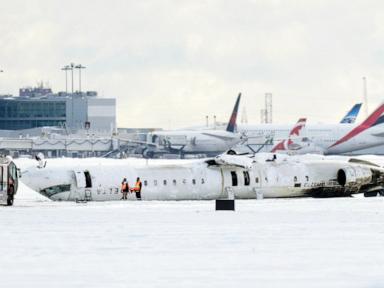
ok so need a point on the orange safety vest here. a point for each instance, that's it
(137, 186)
(124, 187)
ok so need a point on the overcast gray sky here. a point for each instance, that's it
(169, 63)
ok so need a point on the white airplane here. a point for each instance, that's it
(202, 141)
(325, 139)
(272, 175)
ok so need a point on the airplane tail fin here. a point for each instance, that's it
(284, 144)
(298, 127)
(232, 121)
(281, 146)
(376, 118)
(352, 114)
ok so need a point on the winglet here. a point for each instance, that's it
(352, 114)
(232, 121)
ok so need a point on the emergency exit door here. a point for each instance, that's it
(80, 179)
(232, 180)
(83, 179)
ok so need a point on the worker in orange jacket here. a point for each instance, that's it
(124, 189)
(137, 188)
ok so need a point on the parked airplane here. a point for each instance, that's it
(273, 175)
(327, 139)
(203, 141)
(352, 114)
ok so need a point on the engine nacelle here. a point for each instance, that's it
(354, 176)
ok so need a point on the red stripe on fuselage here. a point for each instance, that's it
(363, 126)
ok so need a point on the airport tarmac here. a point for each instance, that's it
(266, 243)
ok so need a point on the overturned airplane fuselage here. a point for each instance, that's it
(203, 179)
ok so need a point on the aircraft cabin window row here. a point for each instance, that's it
(174, 182)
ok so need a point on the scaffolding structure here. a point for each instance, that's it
(266, 113)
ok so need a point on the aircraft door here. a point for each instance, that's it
(232, 181)
(258, 178)
(80, 179)
(83, 185)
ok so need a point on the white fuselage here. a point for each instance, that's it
(319, 137)
(99, 179)
(190, 141)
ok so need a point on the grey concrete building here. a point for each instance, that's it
(76, 111)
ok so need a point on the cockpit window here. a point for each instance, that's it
(50, 191)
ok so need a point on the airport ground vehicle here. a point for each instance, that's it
(8, 180)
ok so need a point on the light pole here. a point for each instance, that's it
(66, 68)
(71, 67)
(80, 67)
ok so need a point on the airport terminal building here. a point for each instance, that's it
(39, 107)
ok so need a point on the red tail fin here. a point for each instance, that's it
(375, 118)
(298, 127)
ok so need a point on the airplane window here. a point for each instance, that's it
(202, 181)
(295, 179)
(145, 182)
(165, 182)
(234, 178)
(193, 181)
(184, 181)
(88, 179)
(155, 182)
(246, 178)
(257, 180)
(174, 182)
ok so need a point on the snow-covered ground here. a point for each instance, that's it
(265, 243)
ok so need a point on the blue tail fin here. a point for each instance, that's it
(352, 114)
(232, 121)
